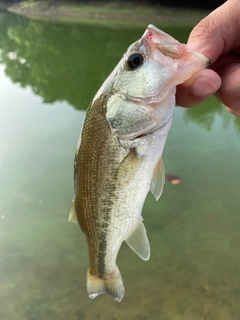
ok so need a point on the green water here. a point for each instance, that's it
(48, 75)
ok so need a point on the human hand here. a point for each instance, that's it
(218, 37)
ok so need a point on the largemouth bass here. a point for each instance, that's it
(119, 154)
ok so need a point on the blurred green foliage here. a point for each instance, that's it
(60, 61)
(69, 62)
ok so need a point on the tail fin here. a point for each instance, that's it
(111, 283)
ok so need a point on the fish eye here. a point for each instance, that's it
(135, 60)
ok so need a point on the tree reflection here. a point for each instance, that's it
(206, 113)
(60, 61)
(63, 62)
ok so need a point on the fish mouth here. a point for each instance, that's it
(171, 48)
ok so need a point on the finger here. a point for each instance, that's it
(218, 33)
(229, 92)
(198, 88)
(235, 112)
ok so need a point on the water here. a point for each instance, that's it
(48, 75)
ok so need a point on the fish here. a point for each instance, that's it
(119, 154)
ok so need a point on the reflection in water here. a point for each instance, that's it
(194, 269)
(56, 60)
(205, 115)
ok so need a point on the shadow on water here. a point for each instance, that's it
(52, 71)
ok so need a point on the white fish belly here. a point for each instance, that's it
(127, 209)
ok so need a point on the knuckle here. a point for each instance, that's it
(204, 29)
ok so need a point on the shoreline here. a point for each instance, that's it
(114, 13)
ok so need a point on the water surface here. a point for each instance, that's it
(48, 75)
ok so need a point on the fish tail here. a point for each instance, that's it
(111, 283)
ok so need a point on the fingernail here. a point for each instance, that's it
(204, 87)
(233, 111)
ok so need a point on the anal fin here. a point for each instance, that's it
(138, 241)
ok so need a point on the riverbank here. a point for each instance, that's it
(108, 13)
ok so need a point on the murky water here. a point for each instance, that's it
(48, 75)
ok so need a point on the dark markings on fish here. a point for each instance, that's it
(115, 123)
(106, 212)
(98, 156)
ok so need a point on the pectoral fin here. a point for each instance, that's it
(72, 217)
(138, 241)
(158, 179)
(128, 168)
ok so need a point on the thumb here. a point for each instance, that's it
(218, 33)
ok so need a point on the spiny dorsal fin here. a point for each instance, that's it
(138, 241)
(72, 217)
(158, 179)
